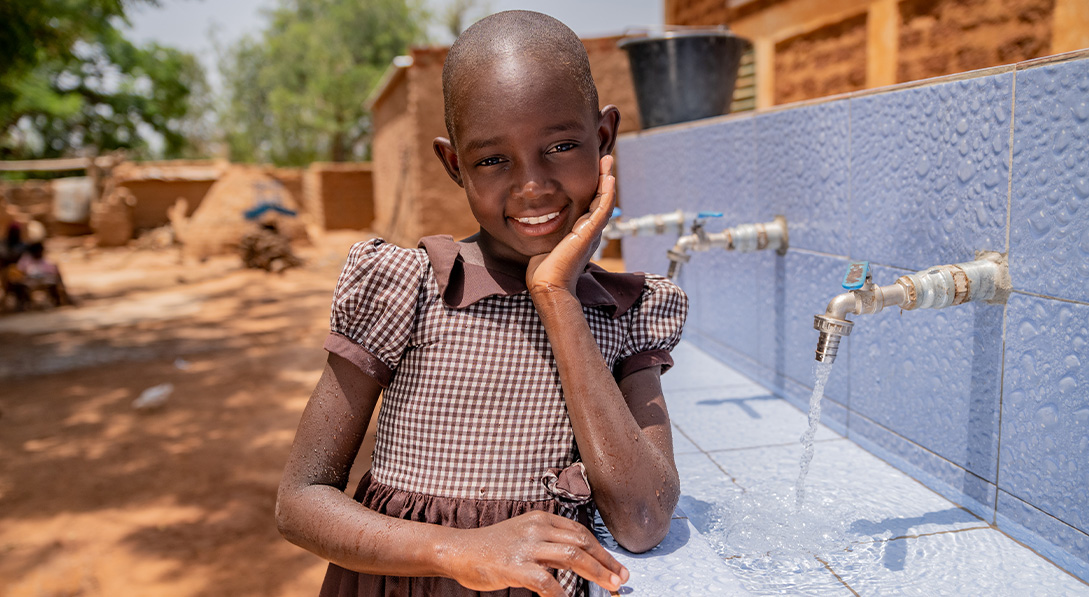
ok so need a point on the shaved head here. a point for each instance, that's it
(531, 39)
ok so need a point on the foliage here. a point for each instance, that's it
(458, 15)
(75, 84)
(297, 93)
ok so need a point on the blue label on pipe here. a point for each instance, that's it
(857, 272)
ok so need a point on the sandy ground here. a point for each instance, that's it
(99, 498)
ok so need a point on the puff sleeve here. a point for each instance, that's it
(374, 306)
(656, 324)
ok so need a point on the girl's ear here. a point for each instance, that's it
(449, 158)
(607, 127)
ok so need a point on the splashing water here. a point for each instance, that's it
(820, 374)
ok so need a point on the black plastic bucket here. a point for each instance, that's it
(685, 74)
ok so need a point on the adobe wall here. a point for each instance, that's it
(393, 156)
(154, 197)
(814, 48)
(822, 62)
(339, 195)
(940, 37)
(439, 204)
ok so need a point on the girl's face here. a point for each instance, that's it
(527, 153)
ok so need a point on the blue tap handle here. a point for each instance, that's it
(857, 274)
(616, 213)
(709, 214)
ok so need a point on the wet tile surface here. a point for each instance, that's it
(930, 172)
(682, 564)
(807, 179)
(974, 562)
(1045, 407)
(948, 361)
(864, 527)
(1049, 224)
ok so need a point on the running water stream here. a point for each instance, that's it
(821, 372)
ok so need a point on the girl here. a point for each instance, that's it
(521, 385)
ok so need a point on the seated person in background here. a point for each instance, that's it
(34, 272)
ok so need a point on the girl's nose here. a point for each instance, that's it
(531, 182)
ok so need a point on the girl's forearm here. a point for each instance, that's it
(634, 482)
(325, 521)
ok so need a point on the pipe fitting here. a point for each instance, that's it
(744, 238)
(984, 280)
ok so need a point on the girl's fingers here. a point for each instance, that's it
(569, 557)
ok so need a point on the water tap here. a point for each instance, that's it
(986, 279)
(743, 239)
(673, 222)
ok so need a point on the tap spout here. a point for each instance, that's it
(744, 238)
(984, 280)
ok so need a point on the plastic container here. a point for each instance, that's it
(683, 74)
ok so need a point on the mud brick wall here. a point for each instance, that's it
(940, 37)
(154, 197)
(691, 13)
(826, 61)
(339, 196)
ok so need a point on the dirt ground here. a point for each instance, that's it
(100, 498)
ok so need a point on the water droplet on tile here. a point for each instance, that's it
(1047, 415)
(1081, 187)
(1039, 224)
(1080, 110)
(966, 171)
(1067, 386)
(962, 126)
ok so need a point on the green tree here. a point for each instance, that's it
(75, 84)
(296, 94)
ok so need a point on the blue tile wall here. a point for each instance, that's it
(986, 404)
(807, 178)
(930, 172)
(1045, 425)
(1049, 227)
(932, 376)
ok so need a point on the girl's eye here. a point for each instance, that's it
(493, 161)
(562, 147)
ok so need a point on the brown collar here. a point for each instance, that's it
(464, 279)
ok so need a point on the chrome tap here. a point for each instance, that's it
(987, 279)
(744, 239)
(654, 224)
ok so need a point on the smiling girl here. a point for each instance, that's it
(520, 383)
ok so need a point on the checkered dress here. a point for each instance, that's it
(474, 409)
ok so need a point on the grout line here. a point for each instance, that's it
(763, 446)
(838, 577)
(1050, 298)
(1009, 177)
(708, 455)
(1006, 303)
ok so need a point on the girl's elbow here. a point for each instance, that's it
(643, 533)
(285, 518)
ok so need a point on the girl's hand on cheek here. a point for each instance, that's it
(519, 553)
(561, 268)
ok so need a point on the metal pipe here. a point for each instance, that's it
(744, 238)
(984, 280)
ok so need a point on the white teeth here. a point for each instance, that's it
(539, 219)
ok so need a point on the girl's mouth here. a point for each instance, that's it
(541, 225)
